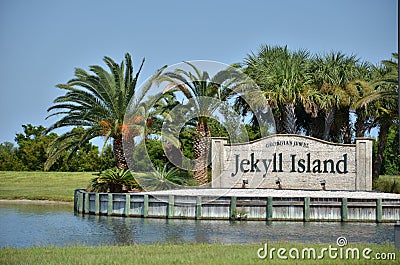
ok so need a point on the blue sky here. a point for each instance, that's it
(41, 42)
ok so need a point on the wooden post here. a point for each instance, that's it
(87, 202)
(345, 210)
(145, 205)
(110, 204)
(171, 201)
(198, 207)
(307, 211)
(97, 204)
(379, 210)
(80, 202)
(269, 208)
(127, 204)
(76, 194)
(232, 209)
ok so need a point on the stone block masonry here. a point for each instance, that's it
(294, 162)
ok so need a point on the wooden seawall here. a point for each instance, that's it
(225, 207)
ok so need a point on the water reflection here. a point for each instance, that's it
(33, 225)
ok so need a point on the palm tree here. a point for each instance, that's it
(283, 77)
(362, 84)
(96, 101)
(331, 75)
(196, 86)
(384, 100)
(258, 66)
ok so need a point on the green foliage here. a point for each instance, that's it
(113, 180)
(169, 174)
(337, 79)
(33, 143)
(390, 184)
(9, 159)
(239, 214)
(186, 139)
(391, 155)
(32, 153)
(98, 102)
(86, 159)
(156, 153)
(162, 179)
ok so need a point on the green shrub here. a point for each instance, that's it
(389, 184)
(113, 180)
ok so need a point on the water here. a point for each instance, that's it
(24, 226)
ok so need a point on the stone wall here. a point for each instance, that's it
(297, 162)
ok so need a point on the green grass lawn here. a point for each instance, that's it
(56, 186)
(187, 254)
(60, 186)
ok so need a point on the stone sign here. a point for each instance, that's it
(293, 162)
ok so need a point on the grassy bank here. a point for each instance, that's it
(60, 186)
(56, 186)
(187, 254)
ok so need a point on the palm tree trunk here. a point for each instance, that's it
(201, 150)
(382, 140)
(317, 131)
(278, 123)
(119, 153)
(346, 128)
(329, 118)
(290, 119)
(360, 124)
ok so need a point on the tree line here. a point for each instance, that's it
(31, 153)
(333, 96)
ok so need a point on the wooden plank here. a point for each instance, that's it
(332, 204)
(361, 204)
(288, 203)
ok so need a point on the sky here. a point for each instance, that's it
(43, 41)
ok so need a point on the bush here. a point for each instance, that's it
(113, 180)
(387, 184)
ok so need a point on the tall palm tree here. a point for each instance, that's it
(393, 79)
(196, 85)
(385, 102)
(362, 83)
(96, 101)
(283, 77)
(331, 75)
(258, 66)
